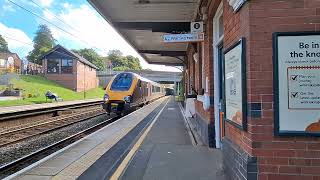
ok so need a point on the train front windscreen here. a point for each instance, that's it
(122, 82)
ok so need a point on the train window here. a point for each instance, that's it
(122, 82)
(155, 89)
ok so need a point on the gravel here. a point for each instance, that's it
(16, 151)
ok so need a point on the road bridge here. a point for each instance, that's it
(157, 76)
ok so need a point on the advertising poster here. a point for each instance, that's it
(234, 84)
(297, 83)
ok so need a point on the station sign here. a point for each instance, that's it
(235, 85)
(196, 27)
(297, 83)
(183, 38)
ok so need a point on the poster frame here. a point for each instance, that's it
(242, 43)
(277, 131)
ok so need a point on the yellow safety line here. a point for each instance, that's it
(134, 149)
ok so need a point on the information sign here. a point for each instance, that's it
(235, 86)
(297, 83)
(181, 38)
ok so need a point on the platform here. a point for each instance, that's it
(16, 109)
(150, 143)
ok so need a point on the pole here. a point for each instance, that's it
(84, 81)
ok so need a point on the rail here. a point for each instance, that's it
(27, 160)
(8, 137)
(45, 110)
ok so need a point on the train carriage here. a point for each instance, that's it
(128, 90)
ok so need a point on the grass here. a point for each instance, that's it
(35, 87)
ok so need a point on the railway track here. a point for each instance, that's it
(22, 133)
(29, 159)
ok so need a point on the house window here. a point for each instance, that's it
(2, 63)
(66, 66)
(53, 66)
(155, 89)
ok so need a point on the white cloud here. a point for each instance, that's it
(91, 30)
(45, 3)
(66, 5)
(17, 40)
(7, 7)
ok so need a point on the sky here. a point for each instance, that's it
(74, 23)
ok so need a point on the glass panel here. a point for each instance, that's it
(53, 66)
(155, 89)
(122, 82)
(66, 65)
(220, 26)
(2, 63)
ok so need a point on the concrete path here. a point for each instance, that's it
(167, 153)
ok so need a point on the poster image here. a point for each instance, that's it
(235, 94)
(297, 83)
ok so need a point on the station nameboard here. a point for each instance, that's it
(181, 38)
(235, 85)
(297, 83)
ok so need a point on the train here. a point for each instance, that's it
(127, 91)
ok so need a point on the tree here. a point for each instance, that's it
(92, 56)
(42, 43)
(133, 63)
(3, 45)
(122, 63)
(115, 56)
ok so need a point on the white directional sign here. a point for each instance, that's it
(181, 38)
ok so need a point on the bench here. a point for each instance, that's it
(52, 96)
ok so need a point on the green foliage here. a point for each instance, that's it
(35, 87)
(3, 45)
(93, 57)
(115, 57)
(43, 42)
(122, 63)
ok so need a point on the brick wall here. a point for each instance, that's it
(86, 77)
(278, 157)
(75, 81)
(67, 80)
(257, 153)
(234, 29)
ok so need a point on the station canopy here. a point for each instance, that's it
(144, 22)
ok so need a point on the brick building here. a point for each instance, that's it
(258, 141)
(10, 61)
(69, 69)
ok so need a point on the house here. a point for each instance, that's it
(10, 62)
(69, 69)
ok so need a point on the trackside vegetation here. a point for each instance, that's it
(34, 88)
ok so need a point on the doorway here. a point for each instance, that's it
(218, 72)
